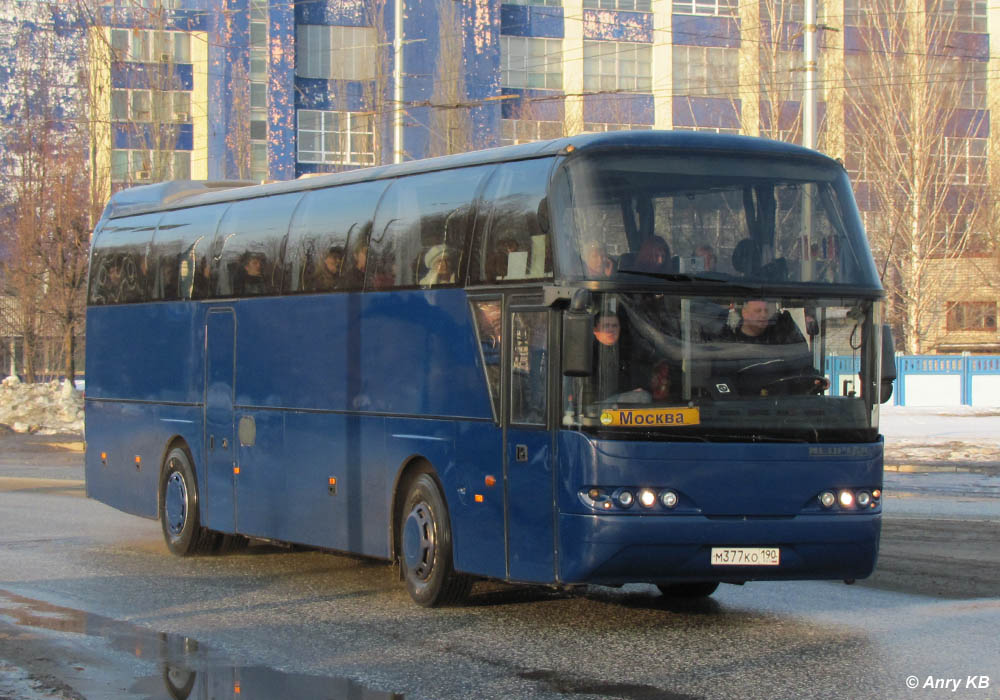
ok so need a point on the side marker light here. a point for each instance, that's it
(479, 498)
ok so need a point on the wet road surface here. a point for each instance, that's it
(93, 606)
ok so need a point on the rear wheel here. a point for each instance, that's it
(425, 544)
(697, 589)
(179, 517)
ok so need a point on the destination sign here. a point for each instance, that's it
(651, 417)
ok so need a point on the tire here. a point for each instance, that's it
(230, 544)
(179, 516)
(425, 547)
(696, 589)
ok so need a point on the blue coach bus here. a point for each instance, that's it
(600, 359)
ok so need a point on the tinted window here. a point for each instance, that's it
(119, 271)
(180, 266)
(329, 230)
(421, 229)
(512, 232)
(249, 245)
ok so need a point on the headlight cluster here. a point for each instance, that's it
(626, 497)
(850, 499)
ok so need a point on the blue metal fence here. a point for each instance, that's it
(967, 380)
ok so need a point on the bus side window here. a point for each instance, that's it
(252, 235)
(121, 261)
(330, 227)
(421, 229)
(529, 367)
(489, 325)
(512, 240)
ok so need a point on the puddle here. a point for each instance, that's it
(187, 669)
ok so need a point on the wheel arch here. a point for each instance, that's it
(412, 467)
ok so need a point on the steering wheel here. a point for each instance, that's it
(779, 376)
(806, 383)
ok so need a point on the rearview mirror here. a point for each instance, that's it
(888, 365)
(577, 337)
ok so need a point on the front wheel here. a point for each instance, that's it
(425, 544)
(696, 589)
(179, 518)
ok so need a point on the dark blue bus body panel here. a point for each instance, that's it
(135, 406)
(731, 494)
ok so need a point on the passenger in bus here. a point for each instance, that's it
(789, 369)
(596, 261)
(497, 266)
(707, 255)
(441, 262)
(614, 369)
(354, 276)
(250, 279)
(654, 256)
(327, 276)
(759, 324)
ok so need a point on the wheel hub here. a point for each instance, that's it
(418, 541)
(175, 504)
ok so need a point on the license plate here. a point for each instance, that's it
(746, 556)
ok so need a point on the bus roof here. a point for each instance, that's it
(180, 194)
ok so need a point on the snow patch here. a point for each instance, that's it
(47, 409)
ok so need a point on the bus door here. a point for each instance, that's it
(528, 453)
(217, 501)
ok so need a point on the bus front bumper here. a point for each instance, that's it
(619, 549)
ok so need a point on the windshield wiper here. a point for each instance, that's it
(680, 276)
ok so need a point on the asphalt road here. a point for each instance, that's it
(92, 606)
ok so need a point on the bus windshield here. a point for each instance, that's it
(709, 217)
(749, 369)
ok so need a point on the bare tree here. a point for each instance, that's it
(238, 135)
(376, 91)
(45, 168)
(913, 140)
(449, 132)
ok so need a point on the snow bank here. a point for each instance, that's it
(47, 409)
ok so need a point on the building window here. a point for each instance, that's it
(710, 129)
(258, 64)
(547, 3)
(711, 8)
(150, 45)
(634, 5)
(972, 77)
(963, 15)
(966, 160)
(615, 65)
(706, 71)
(258, 161)
(528, 62)
(151, 105)
(596, 127)
(972, 316)
(335, 53)
(514, 131)
(343, 138)
(138, 166)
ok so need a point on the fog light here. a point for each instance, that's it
(626, 499)
(827, 499)
(668, 499)
(846, 499)
(647, 499)
(864, 498)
